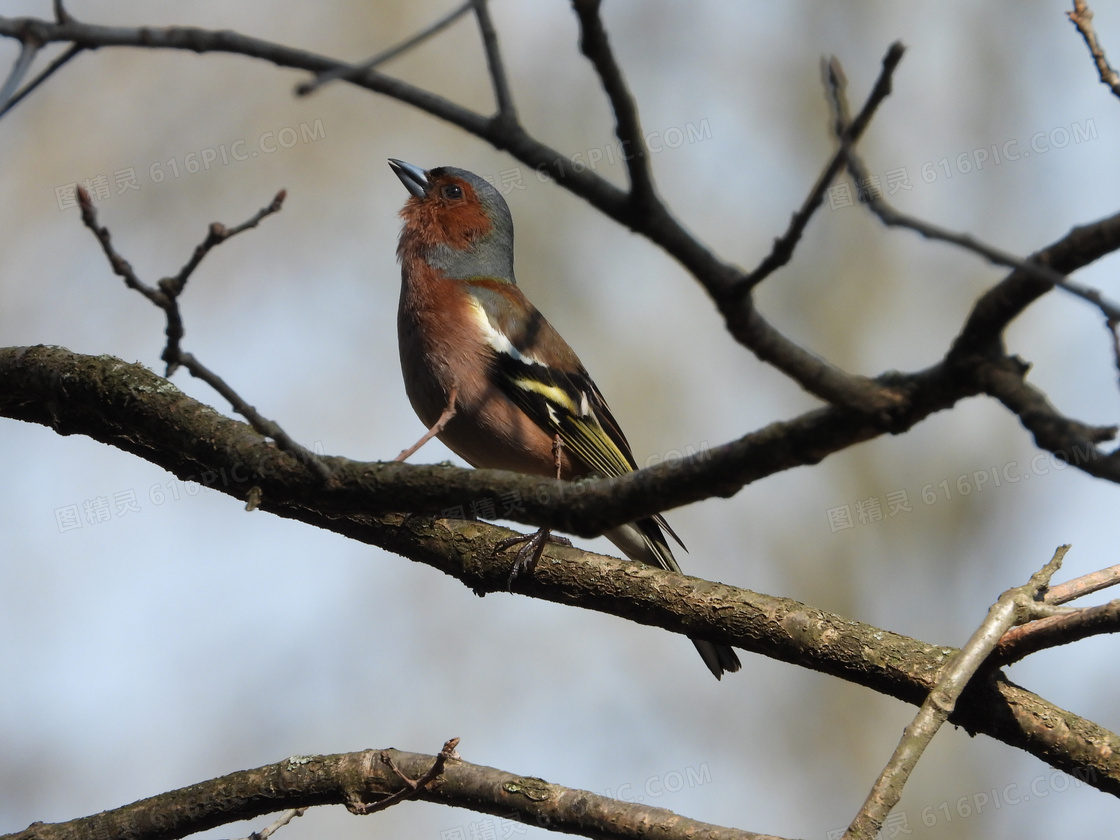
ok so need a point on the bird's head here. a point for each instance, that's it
(455, 221)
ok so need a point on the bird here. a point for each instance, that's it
(489, 376)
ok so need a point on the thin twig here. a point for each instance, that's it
(507, 113)
(121, 267)
(216, 235)
(260, 423)
(1014, 606)
(1082, 18)
(413, 787)
(784, 245)
(350, 73)
(47, 72)
(891, 217)
(1063, 593)
(1020, 642)
(628, 127)
(1110, 311)
(28, 49)
(280, 822)
(165, 295)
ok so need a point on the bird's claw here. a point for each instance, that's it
(527, 556)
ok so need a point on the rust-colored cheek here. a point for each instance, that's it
(464, 222)
(435, 220)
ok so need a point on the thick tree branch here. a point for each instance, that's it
(132, 408)
(90, 395)
(779, 628)
(360, 781)
(1076, 442)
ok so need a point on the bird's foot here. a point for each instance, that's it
(529, 553)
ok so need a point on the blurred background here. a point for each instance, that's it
(153, 634)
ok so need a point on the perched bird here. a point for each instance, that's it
(488, 375)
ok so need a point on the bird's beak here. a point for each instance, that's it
(414, 178)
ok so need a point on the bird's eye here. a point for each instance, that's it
(452, 191)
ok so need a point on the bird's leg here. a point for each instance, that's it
(557, 451)
(530, 552)
(437, 427)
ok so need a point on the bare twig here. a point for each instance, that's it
(216, 235)
(628, 127)
(1082, 18)
(816, 375)
(413, 787)
(852, 130)
(1014, 606)
(893, 218)
(121, 266)
(1020, 642)
(1110, 311)
(507, 113)
(873, 198)
(28, 49)
(279, 823)
(263, 426)
(1085, 585)
(350, 73)
(46, 73)
(165, 295)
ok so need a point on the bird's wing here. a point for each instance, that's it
(567, 404)
(570, 405)
(541, 374)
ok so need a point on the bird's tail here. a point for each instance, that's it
(644, 542)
